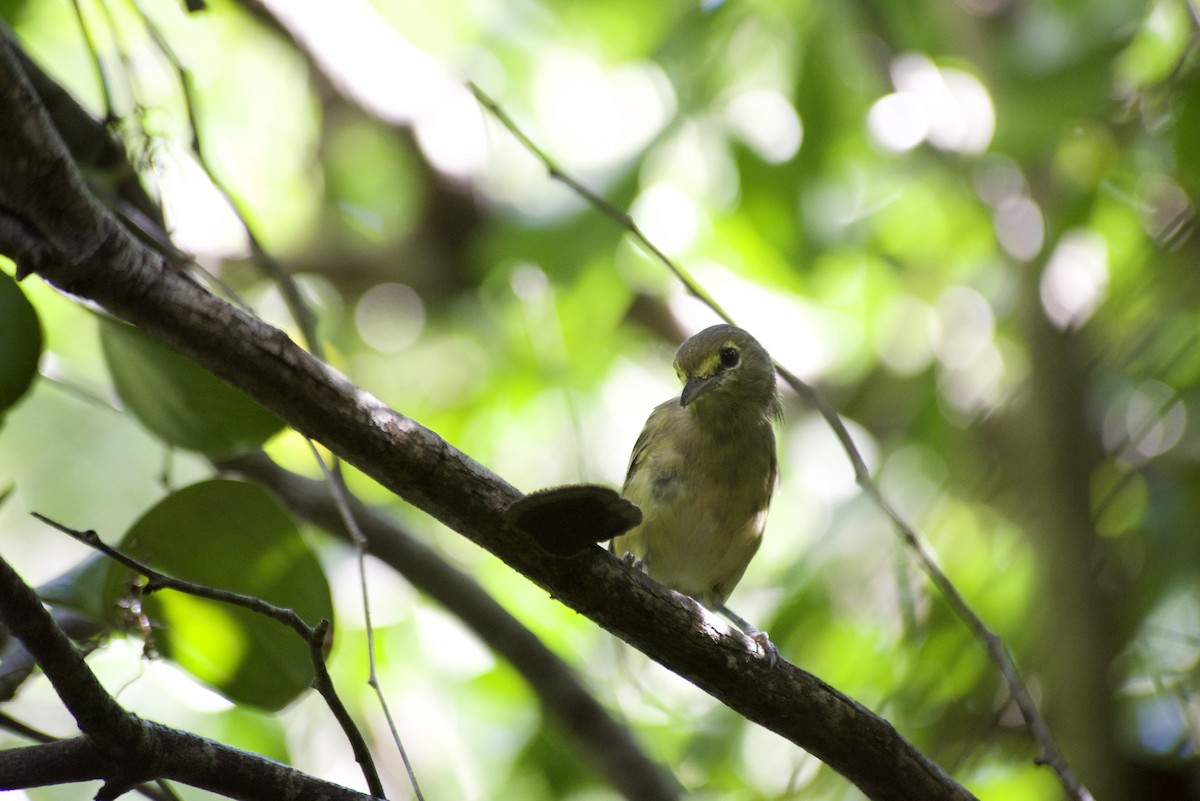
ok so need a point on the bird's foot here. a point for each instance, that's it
(764, 642)
(634, 562)
(769, 651)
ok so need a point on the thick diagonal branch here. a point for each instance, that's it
(564, 699)
(52, 227)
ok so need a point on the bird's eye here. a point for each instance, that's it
(729, 357)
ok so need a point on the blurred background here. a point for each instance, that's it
(969, 224)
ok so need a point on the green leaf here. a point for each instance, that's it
(178, 401)
(1187, 137)
(229, 535)
(20, 343)
(81, 588)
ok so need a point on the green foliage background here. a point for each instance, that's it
(1006, 315)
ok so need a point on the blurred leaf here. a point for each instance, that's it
(179, 402)
(20, 343)
(74, 601)
(81, 588)
(229, 535)
(1160, 42)
(17, 664)
(1187, 138)
(535, 355)
(1119, 500)
(1034, 108)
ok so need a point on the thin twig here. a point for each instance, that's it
(97, 62)
(21, 729)
(288, 289)
(118, 747)
(565, 702)
(340, 494)
(161, 791)
(313, 636)
(622, 218)
(1050, 754)
(306, 320)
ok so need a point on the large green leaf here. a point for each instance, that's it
(178, 401)
(229, 535)
(20, 343)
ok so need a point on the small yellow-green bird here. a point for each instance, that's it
(703, 471)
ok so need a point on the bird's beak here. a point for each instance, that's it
(695, 387)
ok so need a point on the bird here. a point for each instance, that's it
(703, 471)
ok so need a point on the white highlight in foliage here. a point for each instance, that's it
(668, 216)
(593, 117)
(1076, 278)
(949, 108)
(1020, 227)
(389, 317)
(767, 122)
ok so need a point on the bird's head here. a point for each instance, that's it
(726, 367)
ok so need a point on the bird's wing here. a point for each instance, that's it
(644, 441)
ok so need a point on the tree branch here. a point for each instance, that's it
(564, 699)
(313, 636)
(118, 746)
(51, 226)
(920, 549)
(611, 746)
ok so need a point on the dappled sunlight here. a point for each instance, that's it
(786, 770)
(201, 221)
(453, 136)
(389, 317)
(1075, 279)
(974, 378)
(906, 331)
(1020, 227)
(809, 339)
(820, 463)
(967, 326)
(1144, 422)
(668, 216)
(946, 107)
(913, 478)
(694, 157)
(594, 118)
(369, 60)
(766, 121)
(969, 227)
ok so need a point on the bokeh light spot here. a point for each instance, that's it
(1075, 280)
(1020, 227)
(949, 108)
(389, 317)
(767, 122)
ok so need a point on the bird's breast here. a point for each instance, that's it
(703, 508)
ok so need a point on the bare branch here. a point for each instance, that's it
(313, 636)
(118, 746)
(564, 699)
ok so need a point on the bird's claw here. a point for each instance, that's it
(634, 562)
(768, 649)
